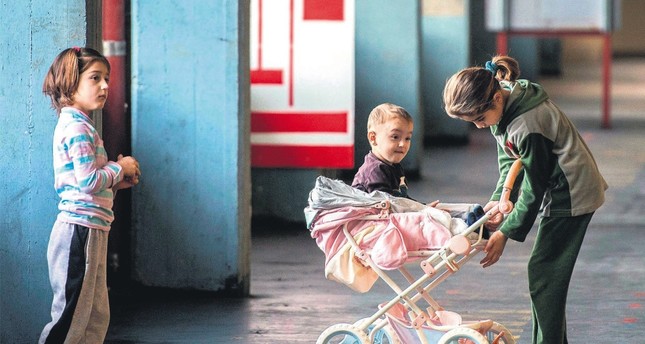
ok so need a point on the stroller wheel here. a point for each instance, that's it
(385, 335)
(343, 334)
(496, 330)
(463, 335)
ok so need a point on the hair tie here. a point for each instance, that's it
(491, 67)
(77, 49)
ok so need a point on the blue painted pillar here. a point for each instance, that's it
(30, 38)
(388, 63)
(190, 127)
(446, 50)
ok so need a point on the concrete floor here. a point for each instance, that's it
(292, 302)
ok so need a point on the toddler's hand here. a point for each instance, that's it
(434, 204)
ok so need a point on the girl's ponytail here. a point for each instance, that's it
(507, 68)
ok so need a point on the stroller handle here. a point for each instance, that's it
(505, 205)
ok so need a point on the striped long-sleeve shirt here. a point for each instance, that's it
(83, 176)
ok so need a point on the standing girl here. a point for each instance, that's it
(560, 179)
(77, 83)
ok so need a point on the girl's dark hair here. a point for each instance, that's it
(470, 92)
(61, 81)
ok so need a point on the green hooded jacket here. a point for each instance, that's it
(560, 176)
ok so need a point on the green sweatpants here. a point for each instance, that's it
(550, 268)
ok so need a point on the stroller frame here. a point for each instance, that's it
(437, 266)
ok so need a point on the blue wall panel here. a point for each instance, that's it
(190, 134)
(31, 37)
(445, 52)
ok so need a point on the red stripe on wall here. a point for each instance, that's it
(323, 9)
(266, 76)
(302, 156)
(276, 122)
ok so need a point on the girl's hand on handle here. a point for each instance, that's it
(129, 165)
(494, 249)
(496, 219)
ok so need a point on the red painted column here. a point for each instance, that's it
(116, 134)
(502, 43)
(115, 124)
(606, 81)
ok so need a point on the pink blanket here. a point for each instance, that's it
(386, 240)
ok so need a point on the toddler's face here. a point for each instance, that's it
(391, 140)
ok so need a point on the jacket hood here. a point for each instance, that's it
(525, 95)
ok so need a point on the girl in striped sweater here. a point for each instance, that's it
(86, 182)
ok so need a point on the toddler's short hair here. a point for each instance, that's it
(385, 112)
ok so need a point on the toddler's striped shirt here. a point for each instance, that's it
(83, 176)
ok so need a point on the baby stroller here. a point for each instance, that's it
(364, 235)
